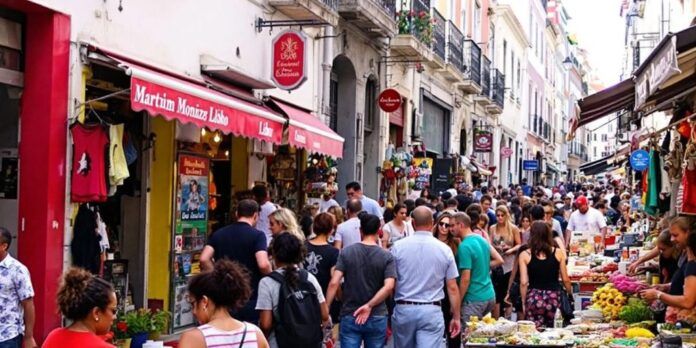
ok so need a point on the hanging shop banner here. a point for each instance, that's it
(190, 229)
(389, 100)
(483, 141)
(640, 160)
(663, 66)
(530, 165)
(289, 59)
(505, 152)
(422, 170)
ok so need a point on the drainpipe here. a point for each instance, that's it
(326, 73)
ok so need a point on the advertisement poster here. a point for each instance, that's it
(190, 230)
(423, 170)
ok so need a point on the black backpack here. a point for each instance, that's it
(299, 314)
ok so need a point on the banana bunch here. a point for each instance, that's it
(609, 300)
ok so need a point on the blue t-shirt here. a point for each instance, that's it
(474, 254)
(371, 206)
(492, 219)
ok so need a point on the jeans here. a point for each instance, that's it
(373, 333)
(418, 326)
(15, 342)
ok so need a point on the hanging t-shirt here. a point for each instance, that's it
(88, 180)
(118, 168)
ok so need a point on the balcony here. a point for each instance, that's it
(455, 65)
(439, 44)
(497, 93)
(415, 32)
(484, 97)
(374, 17)
(472, 68)
(318, 10)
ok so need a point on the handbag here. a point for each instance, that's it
(567, 306)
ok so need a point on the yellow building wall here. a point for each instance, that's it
(162, 178)
(240, 164)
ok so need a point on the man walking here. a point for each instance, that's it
(423, 265)
(369, 276)
(16, 299)
(348, 232)
(476, 258)
(241, 242)
(266, 208)
(353, 190)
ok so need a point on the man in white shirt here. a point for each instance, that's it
(266, 207)
(348, 232)
(587, 219)
(354, 190)
(327, 202)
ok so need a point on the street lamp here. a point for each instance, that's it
(567, 63)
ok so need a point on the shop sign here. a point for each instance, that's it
(506, 152)
(289, 59)
(663, 66)
(640, 160)
(483, 141)
(389, 100)
(530, 165)
(190, 229)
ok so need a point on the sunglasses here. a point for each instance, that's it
(446, 225)
(500, 215)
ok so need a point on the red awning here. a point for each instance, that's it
(307, 131)
(188, 100)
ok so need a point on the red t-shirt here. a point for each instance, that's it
(63, 337)
(88, 180)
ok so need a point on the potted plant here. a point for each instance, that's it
(120, 330)
(138, 326)
(159, 321)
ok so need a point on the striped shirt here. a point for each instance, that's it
(230, 339)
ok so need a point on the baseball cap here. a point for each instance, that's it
(582, 200)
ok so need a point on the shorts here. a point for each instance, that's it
(500, 285)
(477, 309)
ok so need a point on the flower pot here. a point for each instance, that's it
(154, 336)
(123, 343)
(138, 340)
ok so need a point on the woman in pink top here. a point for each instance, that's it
(212, 295)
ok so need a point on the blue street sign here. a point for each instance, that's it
(530, 165)
(640, 160)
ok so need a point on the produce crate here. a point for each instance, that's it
(587, 286)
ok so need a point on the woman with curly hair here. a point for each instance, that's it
(289, 253)
(284, 220)
(90, 303)
(212, 295)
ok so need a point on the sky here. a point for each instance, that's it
(600, 30)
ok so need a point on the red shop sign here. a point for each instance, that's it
(483, 142)
(289, 59)
(389, 100)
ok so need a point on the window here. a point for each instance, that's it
(610, 128)
(370, 104)
(595, 137)
(512, 71)
(333, 102)
(604, 137)
(519, 77)
(504, 57)
(464, 28)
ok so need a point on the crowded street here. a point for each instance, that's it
(347, 173)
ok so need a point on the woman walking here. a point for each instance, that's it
(540, 268)
(506, 240)
(443, 232)
(288, 252)
(397, 228)
(212, 295)
(90, 303)
(284, 220)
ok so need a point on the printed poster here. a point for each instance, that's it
(191, 203)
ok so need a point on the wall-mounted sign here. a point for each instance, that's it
(663, 66)
(506, 152)
(483, 141)
(640, 160)
(532, 165)
(389, 100)
(289, 59)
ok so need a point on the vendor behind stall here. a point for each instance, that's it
(681, 298)
(669, 255)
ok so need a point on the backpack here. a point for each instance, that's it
(299, 314)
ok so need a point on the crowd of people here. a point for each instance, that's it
(362, 274)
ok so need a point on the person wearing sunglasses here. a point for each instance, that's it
(443, 231)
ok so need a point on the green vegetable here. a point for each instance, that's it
(635, 311)
(625, 342)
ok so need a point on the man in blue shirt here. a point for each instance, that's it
(354, 190)
(527, 189)
(423, 264)
(486, 207)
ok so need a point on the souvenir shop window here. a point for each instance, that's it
(320, 178)
(283, 177)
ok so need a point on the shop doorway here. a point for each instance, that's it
(344, 120)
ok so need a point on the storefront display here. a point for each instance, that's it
(283, 178)
(190, 226)
(320, 178)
